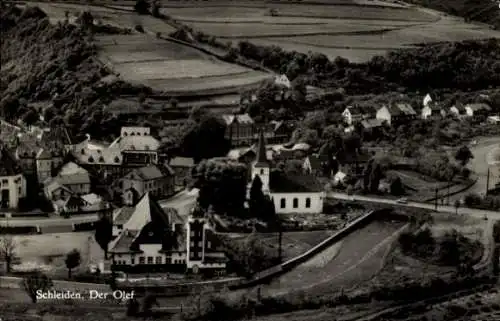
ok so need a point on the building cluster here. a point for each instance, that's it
(397, 113)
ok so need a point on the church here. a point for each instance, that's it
(289, 193)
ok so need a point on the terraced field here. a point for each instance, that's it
(357, 30)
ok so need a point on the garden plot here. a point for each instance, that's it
(171, 67)
(48, 251)
(354, 12)
(265, 30)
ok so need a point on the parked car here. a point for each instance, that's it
(403, 200)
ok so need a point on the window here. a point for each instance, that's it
(158, 260)
(208, 244)
(132, 261)
(141, 259)
(150, 260)
(19, 190)
(192, 243)
(261, 171)
(283, 203)
(192, 233)
(308, 202)
(295, 202)
(5, 182)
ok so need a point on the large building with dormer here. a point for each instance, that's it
(135, 148)
(289, 193)
(151, 238)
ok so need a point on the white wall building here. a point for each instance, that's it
(12, 181)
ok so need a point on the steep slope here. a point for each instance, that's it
(54, 67)
(486, 11)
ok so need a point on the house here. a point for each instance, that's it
(159, 181)
(182, 167)
(12, 181)
(396, 114)
(276, 132)
(239, 129)
(72, 203)
(55, 191)
(352, 115)
(457, 110)
(150, 238)
(493, 119)
(432, 110)
(477, 110)
(290, 194)
(339, 178)
(282, 80)
(73, 177)
(427, 100)
(134, 148)
(317, 165)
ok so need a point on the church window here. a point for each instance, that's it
(283, 203)
(295, 202)
(262, 171)
(308, 202)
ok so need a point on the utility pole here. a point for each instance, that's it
(488, 181)
(280, 242)
(436, 201)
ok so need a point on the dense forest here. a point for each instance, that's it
(54, 65)
(486, 11)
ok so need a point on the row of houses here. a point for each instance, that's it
(397, 113)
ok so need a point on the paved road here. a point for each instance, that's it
(28, 221)
(442, 209)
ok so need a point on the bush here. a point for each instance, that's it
(139, 28)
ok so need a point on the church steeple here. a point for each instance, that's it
(261, 160)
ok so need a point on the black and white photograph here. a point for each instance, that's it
(250, 160)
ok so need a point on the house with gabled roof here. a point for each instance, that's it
(289, 193)
(150, 238)
(155, 179)
(240, 129)
(352, 115)
(396, 114)
(477, 110)
(432, 110)
(182, 167)
(73, 177)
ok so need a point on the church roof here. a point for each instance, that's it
(261, 160)
(285, 183)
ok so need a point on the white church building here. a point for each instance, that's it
(290, 194)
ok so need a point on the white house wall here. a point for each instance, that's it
(16, 190)
(317, 200)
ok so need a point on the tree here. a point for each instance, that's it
(34, 283)
(30, 117)
(73, 259)
(7, 250)
(104, 234)
(155, 9)
(222, 183)
(257, 200)
(463, 155)
(141, 7)
(457, 205)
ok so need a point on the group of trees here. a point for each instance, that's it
(487, 202)
(222, 184)
(450, 249)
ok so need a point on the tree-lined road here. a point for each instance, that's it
(428, 206)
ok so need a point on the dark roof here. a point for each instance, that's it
(149, 172)
(283, 183)
(182, 162)
(261, 160)
(479, 106)
(8, 164)
(355, 110)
